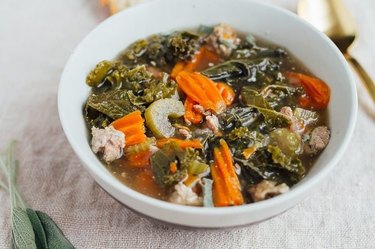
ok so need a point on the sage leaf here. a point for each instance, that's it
(23, 233)
(40, 235)
(54, 235)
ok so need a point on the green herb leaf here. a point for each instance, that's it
(22, 229)
(55, 237)
(40, 235)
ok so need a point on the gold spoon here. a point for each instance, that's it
(333, 18)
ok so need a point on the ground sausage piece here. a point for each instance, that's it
(185, 133)
(319, 138)
(222, 36)
(267, 189)
(185, 196)
(108, 141)
(212, 123)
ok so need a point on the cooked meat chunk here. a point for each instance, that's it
(200, 109)
(212, 123)
(185, 133)
(319, 138)
(108, 141)
(296, 125)
(223, 39)
(185, 196)
(267, 189)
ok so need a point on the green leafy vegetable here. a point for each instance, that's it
(161, 160)
(194, 163)
(237, 117)
(183, 45)
(162, 50)
(262, 166)
(291, 164)
(98, 74)
(278, 96)
(115, 104)
(251, 97)
(272, 119)
(259, 72)
(154, 90)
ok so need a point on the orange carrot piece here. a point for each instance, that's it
(190, 180)
(133, 139)
(180, 66)
(139, 160)
(248, 152)
(209, 87)
(226, 92)
(225, 177)
(194, 143)
(201, 90)
(132, 125)
(133, 128)
(131, 118)
(173, 167)
(191, 115)
(191, 88)
(219, 192)
(317, 91)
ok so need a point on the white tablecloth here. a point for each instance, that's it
(36, 38)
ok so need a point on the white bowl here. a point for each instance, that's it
(284, 28)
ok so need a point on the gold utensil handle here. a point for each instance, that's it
(366, 79)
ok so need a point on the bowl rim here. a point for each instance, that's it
(297, 190)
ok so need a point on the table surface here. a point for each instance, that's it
(36, 39)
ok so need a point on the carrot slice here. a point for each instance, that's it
(135, 139)
(191, 115)
(226, 92)
(173, 167)
(194, 143)
(317, 91)
(201, 90)
(132, 125)
(248, 152)
(139, 160)
(227, 188)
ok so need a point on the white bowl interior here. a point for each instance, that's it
(270, 23)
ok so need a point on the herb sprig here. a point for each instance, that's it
(31, 229)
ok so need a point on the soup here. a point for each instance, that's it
(208, 117)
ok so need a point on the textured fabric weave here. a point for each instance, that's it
(36, 38)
